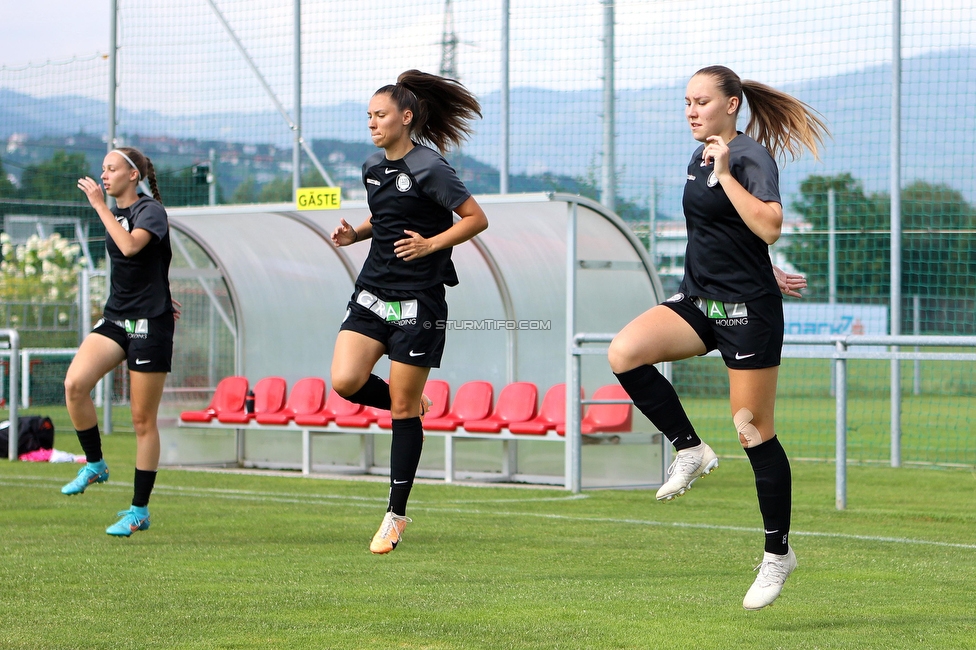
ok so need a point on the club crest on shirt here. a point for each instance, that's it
(403, 182)
(712, 180)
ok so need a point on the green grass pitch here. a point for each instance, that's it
(270, 561)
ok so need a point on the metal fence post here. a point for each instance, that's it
(840, 373)
(13, 400)
(608, 185)
(25, 379)
(573, 441)
(916, 331)
(894, 157)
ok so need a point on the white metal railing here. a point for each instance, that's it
(25, 367)
(25, 372)
(575, 403)
(840, 349)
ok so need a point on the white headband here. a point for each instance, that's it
(128, 160)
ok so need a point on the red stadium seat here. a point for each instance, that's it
(364, 418)
(472, 402)
(552, 414)
(269, 397)
(439, 392)
(228, 397)
(307, 397)
(335, 406)
(516, 403)
(608, 418)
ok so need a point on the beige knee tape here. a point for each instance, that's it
(749, 435)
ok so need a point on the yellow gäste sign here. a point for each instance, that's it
(319, 198)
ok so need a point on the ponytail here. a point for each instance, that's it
(144, 166)
(151, 179)
(441, 107)
(778, 121)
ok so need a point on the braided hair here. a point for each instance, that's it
(145, 168)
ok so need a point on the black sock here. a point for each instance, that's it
(408, 442)
(91, 444)
(774, 486)
(144, 481)
(375, 392)
(655, 397)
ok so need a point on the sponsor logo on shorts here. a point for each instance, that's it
(403, 182)
(678, 297)
(725, 314)
(136, 329)
(416, 354)
(141, 362)
(739, 356)
(399, 312)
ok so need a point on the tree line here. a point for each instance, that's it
(938, 249)
(938, 230)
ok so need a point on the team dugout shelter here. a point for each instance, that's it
(264, 290)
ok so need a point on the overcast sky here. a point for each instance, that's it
(350, 47)
(35, 31)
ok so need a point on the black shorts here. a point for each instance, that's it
(406, 322)
(147, 342)
(748, 334)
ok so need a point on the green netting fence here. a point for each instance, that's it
(202, 86)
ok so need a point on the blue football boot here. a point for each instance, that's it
(90, 473)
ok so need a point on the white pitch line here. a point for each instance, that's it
(679, 524)
(231, 492)
(355, 501)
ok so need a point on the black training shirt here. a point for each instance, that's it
(724, 259)
(418, 192)
(140, 284)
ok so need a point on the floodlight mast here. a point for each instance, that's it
(449, 43)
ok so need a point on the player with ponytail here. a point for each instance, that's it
(137, 326)
(730, 298)
(398, 307)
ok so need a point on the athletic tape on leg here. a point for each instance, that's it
(749, 435)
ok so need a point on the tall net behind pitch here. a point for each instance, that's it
(206, 111)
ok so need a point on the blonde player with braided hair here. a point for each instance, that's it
(137, 326)
(730, 298)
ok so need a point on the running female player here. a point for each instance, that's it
(729, 298)
(398, 305)
(137, 326)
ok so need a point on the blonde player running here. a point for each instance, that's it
(730, 298)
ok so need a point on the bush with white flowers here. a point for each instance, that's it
(42, 270)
